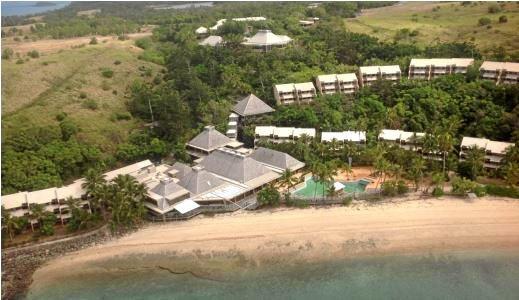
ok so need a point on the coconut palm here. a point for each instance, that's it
(125, 198)
(94, 185)
(417, 171)
(37, 212)
(288, 179)
(475, 158)
(10, 223)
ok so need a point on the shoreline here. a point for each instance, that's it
(209, 246)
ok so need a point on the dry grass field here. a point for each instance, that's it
(66, 80)
(441, 21)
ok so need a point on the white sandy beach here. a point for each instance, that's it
(419, 226)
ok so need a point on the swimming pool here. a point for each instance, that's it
(316, 188)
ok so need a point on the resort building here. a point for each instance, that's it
(357, 137)
(290, 93)
(213, 41)
(218, 24)
(251, 106)
(405, 139)
(265, 40)
(201, 31)
(281, 134)
(232, 126)
(55, 199)
(494, 150)
(370, 74)
(430, 68)
(500, 72)
(337, 83)
(206, 142)
(276, 160)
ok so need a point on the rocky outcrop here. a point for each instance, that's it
(18, 264)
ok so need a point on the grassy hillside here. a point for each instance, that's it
(447, 22)
(72, 81)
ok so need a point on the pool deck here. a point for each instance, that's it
(358, 173)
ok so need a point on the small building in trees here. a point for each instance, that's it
(265, 40)
(430, 68)
(290, 93)
(500, 72)
(494, 150)
(370, 74)
(337, 83)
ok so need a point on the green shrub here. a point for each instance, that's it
(93, 41)
(143, 43)
(347, 201)
(502, 191)
(68, 129)
(90, 104)
(503, 19)
(269, 196)
(401, 187)
(123, 37)
(484, 21)
(117, 62)
(7, 53)
(437, 192)
(122, 116)
(33, 54)
(462, 186)
(82, 95)
(494, 9)
(107, 73)
(480, 191)
(389, 188)
(61, 116)
(20, 61)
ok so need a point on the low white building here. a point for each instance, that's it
(290, 93)
(337, 83)
(370, 74)
(494, 150)
(265, 40)
(281, 134)
(357, 137)
(201, 30)
(500, 72)
(405, 139)
(430, 68)
(212, 40)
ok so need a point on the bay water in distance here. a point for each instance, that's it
(458, 275)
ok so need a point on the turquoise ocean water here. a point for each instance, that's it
(468, 275)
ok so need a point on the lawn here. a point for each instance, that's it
(34, 92)
(445, 22)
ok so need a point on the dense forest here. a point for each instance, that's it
(200, 84)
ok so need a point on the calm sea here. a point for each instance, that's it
(19, 8)
(468, 275)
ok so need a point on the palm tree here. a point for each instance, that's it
(126, 200)
(288, 180)
(10, 223)
(511, 173)
(37, 212)
(382, 167)
(475, 159)
(417, 171)
(94, 185)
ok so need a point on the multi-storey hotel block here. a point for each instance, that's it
(430, 68)
(494, 150)
(281, 134)
(500, 72)
(369, 74)
(337, 83)
(294, 93)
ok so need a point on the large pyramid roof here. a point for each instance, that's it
(209, 139)
(251, 105)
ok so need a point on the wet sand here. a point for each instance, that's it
(248, 239)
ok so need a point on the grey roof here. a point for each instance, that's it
(209, 139)
(276, 159)
(251, 105)
(198, 181)
(234, 166)
(166, 188)
(181, 169)
(266, 38)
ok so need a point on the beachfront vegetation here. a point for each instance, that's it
(269, 196)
